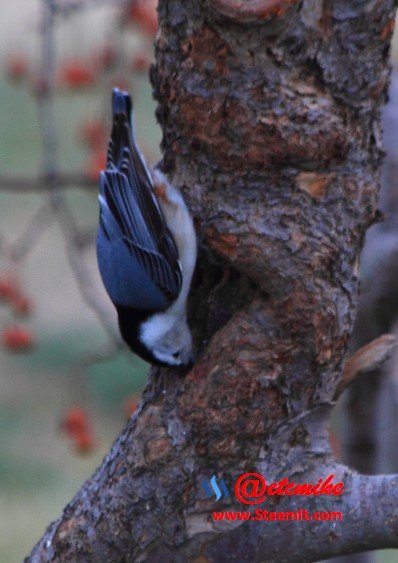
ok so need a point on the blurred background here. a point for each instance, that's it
(65, 388)
(67, 385)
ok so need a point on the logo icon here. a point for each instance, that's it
(250, 488)
(215, 489)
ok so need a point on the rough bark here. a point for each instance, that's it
(272, 130)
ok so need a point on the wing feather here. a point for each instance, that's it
(130, 214)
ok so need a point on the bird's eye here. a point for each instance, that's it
(176, 355)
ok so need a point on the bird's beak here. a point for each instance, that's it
(185, 368)
(191, 362)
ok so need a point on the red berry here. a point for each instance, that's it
(105, 57)
(143, 14)
(20, 303)
(17, 339)
(76, 74)
(75, 421)
(10, 291)
(76, 425)
(9, 287)
(6, 286)
(17, 67)
(96, 164)
(141, 63)
(93, 133)
(83, 442)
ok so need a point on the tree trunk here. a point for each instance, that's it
(271, 118)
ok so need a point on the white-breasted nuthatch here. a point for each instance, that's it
(146, 248)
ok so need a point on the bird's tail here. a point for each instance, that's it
(122, 136)
(123, 152)
(125, 158)
(121, 103)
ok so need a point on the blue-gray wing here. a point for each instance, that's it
(137, 255)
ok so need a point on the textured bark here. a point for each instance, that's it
(272, 131)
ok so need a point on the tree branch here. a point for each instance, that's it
(368, 358)
(43, 183)
(134, 484)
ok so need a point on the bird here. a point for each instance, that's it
(146, 247)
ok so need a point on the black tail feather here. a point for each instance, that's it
(121, 103)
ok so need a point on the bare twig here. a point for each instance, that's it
(20, 185)
(105, 354)
(78, 369)
(36, 227)
(367, 358)
(86, 238)
(45, 97)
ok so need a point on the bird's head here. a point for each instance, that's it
(168, 340)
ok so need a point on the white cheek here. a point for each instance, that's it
(155, 328)
(165, 358)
